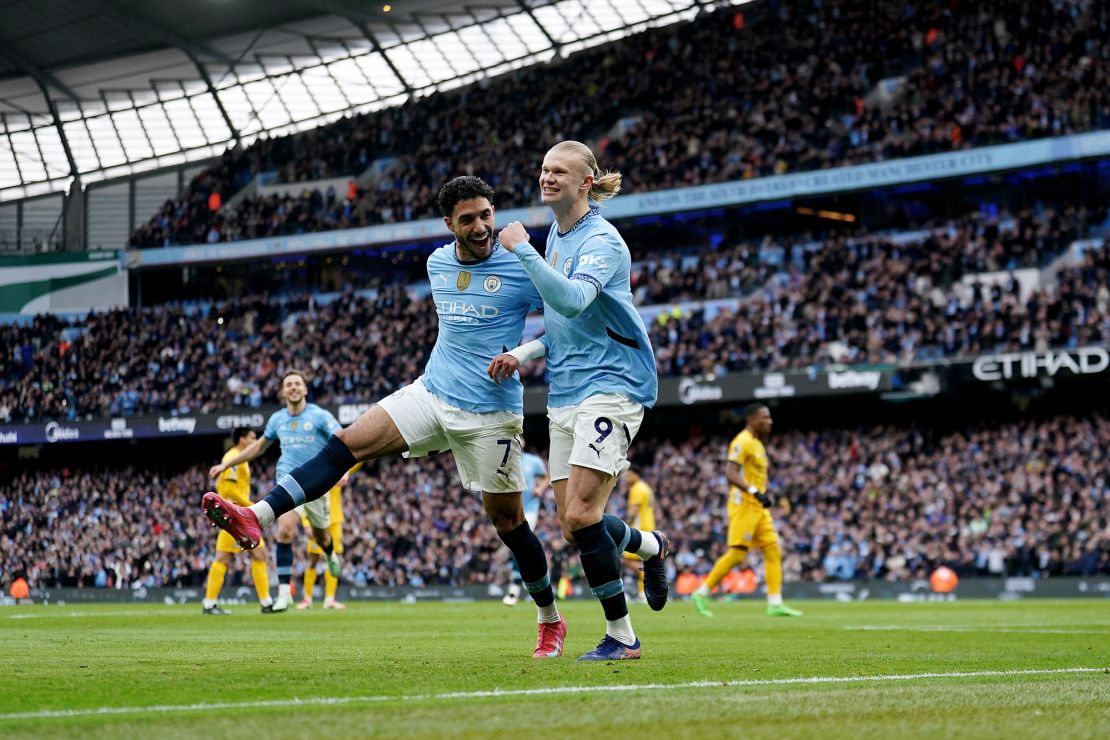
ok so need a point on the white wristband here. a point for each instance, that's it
(753, 490)
(528, 351)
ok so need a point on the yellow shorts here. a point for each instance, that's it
(631, 556)
(336, 531)
(750, 525)
(227, 543)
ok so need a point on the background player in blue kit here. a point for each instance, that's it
(302, 429)
(602, 374)
(482, 296)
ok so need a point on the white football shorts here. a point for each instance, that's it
(486, 447)
(594, 434)
(318, 512)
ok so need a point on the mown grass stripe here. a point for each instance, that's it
(546, 691)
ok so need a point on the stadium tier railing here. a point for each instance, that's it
(819, 182)
(921, 379)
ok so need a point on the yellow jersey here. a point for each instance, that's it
(749, 453)
(334, 497)
(234, 483)
(335, 504)
(640, 494)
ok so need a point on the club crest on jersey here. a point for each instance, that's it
(308, 426)
(566, 267)
(492, 284)
(463, 281)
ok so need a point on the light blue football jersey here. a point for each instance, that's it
(533, 468)
(605, 349)
(481, 308)
(301, 436)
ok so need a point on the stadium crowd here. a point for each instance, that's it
(885, 503)
(868, 298)
(877, 301)
(774, 88)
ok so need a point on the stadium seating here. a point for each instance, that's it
(874, 298)
(779, 88)
(1025, 499)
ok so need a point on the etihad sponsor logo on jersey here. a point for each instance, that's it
(463, 281)
(461, 312)
(184, 424)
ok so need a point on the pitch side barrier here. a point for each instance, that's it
(1004, 589)
(996, 371)
(819, 182)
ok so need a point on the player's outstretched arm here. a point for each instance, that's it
(569, 297)
(253, 450)
(505, 364)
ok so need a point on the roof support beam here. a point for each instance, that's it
(45, 81)
(130, 19)
(338, 8)
(61, 133)
(42, 78)
(378, 48)
(215, 96)
(554, 44)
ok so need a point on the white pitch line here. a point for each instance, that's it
(950, 628)
(546, 691)
(70, 615)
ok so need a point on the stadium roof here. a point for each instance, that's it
(106, 88)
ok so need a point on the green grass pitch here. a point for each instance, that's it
(862, 669)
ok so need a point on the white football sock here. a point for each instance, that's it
(621, 630)
(774, 599)
(264, 513)
(649, 545)
(702, 590)
(547, 614)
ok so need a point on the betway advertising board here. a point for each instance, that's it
(1005, 369)
(672, 392)
(129, 427)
